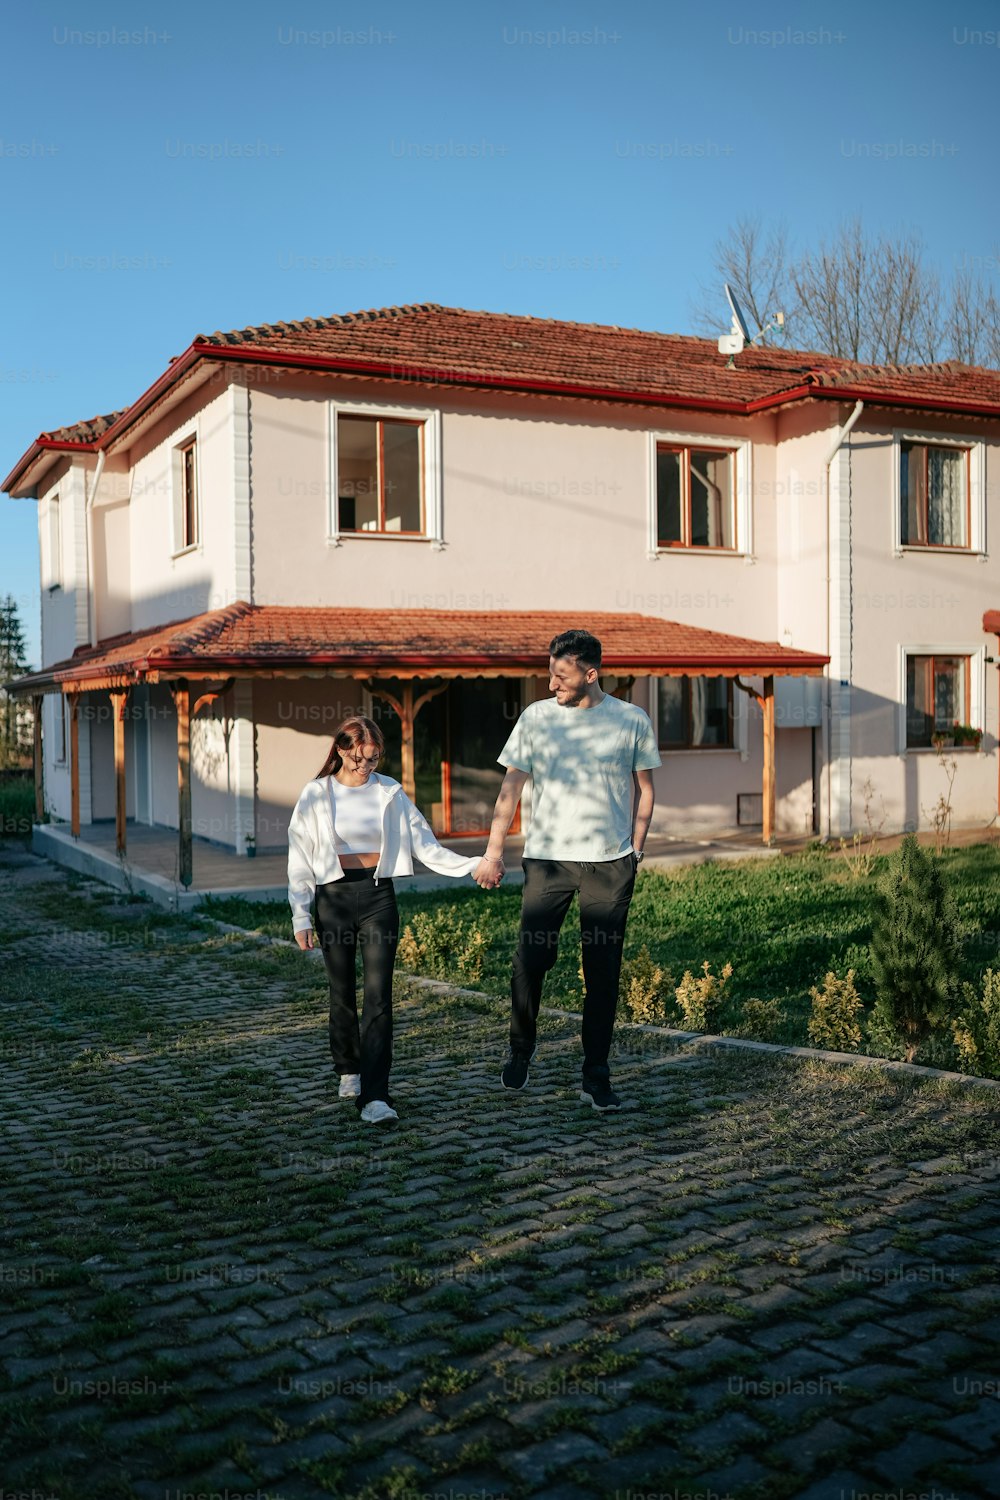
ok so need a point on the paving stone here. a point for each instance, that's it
(253, 1085)
(534, 1465)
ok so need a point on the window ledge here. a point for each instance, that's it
(186, 551)
(700, 551)
(921, 547)
(380, 536)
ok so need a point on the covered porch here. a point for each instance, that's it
(409, 661)
(151, 865)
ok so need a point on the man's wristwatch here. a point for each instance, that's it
(639, 856)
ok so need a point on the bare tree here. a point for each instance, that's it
(868, 298)
(755, 264)
(859, 296)
(974, 320)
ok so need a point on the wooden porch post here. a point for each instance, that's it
(37, 700)
(767, 704)
(118, 701)
(406, 711)
(765, 699)
(74, 764)
(182, 702)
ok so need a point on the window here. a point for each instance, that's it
(55, 543)
(699, 494)
(694, 713)
(937, 697)
(379, 475)
(60, 709)
(934, 495)
(187, 528)
(694, 497)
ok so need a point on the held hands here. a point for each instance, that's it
(489, 873)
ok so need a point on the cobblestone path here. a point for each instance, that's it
(766, 1277)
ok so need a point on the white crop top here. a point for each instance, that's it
(357, 817)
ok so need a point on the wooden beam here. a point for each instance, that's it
(406, 711)
(767, 704)
(74, 764)
(37, 701)
(118, 701)
(182, 702)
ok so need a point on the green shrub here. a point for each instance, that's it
(699, 1000)
(915, 950)
(763, 1020)
(834, 1020)
(977, 1030)
(439, 944)
(17, 807)
(644, 989)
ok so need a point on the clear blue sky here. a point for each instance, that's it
(168, 170)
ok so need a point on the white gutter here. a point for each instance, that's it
(833, 688)
(91, 580)
(838, 441)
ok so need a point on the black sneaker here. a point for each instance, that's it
(515, 1070)
(599, 1094)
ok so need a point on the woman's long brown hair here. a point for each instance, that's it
(353, 732)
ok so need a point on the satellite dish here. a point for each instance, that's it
(740, 324)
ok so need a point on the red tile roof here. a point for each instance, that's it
(244, 637)
(430, 344)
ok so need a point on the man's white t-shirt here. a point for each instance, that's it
(580, 761)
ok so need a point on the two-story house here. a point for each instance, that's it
(785, 555)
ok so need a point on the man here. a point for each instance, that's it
(587, 754)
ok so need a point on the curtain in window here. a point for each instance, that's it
(945, 498)
(914, 495)
(949, 692)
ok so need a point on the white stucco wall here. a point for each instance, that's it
(922, 599)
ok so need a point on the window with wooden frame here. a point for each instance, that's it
(695, 496)
(380, 467)
(694, 713)
(934, 490)
(937, 697)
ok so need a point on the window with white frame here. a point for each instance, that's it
(699, 493)
(934, 495)
(940, 490)
(187, 516)
(54, 543)
(694, 713)
(385, 473)
(60, 709)
(938, 696)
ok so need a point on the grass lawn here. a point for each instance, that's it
(781, 923)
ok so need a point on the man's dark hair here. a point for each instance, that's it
(579, 643)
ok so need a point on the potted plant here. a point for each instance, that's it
(942, 739)
(251, 843)
(967, 734)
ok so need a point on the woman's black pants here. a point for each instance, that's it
(351, 914)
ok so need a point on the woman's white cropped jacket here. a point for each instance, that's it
(312, 852)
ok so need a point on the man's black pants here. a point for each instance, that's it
(605, 892)
(351, 914)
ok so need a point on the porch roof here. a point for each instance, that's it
(246, 640)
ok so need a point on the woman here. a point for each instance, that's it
(351, 831)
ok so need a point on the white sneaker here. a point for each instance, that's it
(350, 1086)
(377, 1111)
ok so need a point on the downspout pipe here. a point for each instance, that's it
(835, 448)
(91, 580)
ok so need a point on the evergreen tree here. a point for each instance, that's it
(12, 664)
(915, 949)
